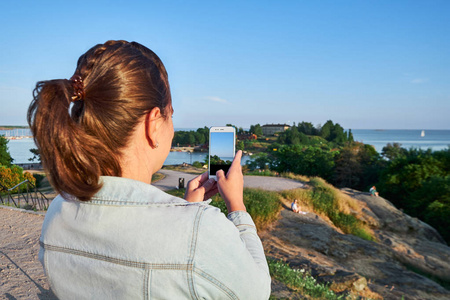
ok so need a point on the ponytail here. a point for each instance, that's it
(72, 158)
(80, 126)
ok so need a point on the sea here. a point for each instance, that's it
(423, 139)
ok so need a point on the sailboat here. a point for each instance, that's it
(422, 134)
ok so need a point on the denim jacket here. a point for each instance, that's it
(133, 241)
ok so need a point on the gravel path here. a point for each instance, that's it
(264, 182)
(21, 273)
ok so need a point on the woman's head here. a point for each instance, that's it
(81, 125)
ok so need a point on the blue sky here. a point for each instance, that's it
(363, 64)
(222, 144)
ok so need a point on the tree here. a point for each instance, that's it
(36, 155)
(350, 136)
(240, 145)
(304, 160)
(199, 138)
(260, 160)
(256, 129)
(307, 128)
(325, 130)
(5, 157)
(407, 174)
(348, 170)
(393, 151)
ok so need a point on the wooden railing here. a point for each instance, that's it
(32, 198)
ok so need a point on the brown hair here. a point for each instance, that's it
(81, 140)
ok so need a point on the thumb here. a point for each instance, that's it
(220, 175)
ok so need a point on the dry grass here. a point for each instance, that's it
(332, 205)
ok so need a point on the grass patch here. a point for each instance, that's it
(271, 173)
(263, 206)
(157, 177)
(300, 281)
(330, 202)
(262, 173)
(326, 199)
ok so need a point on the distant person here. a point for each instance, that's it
(373, 191)
(295, 207)
(110, 234)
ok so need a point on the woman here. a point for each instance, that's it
(112, 235)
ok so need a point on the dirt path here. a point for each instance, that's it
(21, 274)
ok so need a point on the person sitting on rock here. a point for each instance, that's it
(294, 207)
(373, 191)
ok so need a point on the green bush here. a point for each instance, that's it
(10, 177)
(300, 280)
(197, 164)
(39, 178)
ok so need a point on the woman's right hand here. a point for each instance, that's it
(231, 185)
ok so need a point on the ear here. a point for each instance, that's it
(152, 124)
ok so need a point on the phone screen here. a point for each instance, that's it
(221, 150)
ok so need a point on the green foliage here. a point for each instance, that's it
(357, 166)
(5, 156)
(215, 160)
(39, 178)
(259, 161)
(307, 128)
(418, 181)
(300, 280)
(197, 164)
(256, 129)
(393, 151)
(335, 133)
(36, 155)
(263, 206)
(304, 132)
(191, 138)
(240, 145)
(10, 177)
(406, 174)
(260, 172)
(304, 160)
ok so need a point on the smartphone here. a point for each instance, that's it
(222, 144)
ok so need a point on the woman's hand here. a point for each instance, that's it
(200, 188)
(231, 186)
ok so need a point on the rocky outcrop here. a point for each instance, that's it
(401, 262)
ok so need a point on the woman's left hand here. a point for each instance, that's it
(200, 188)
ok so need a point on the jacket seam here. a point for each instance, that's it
(118, 261)
(145, 285)
(193, 248)
(216, 282)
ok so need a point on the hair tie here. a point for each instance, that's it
(78, 88)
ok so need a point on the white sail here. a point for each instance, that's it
(422, 134)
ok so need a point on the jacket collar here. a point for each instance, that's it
(124, 191)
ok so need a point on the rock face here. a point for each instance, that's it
(388, 268)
